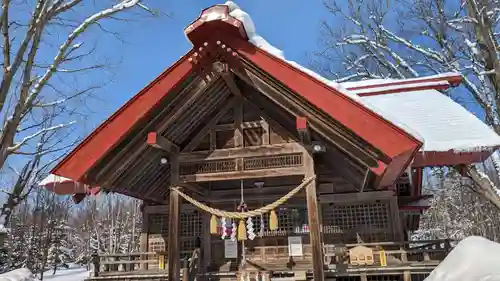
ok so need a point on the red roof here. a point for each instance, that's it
(398, 146)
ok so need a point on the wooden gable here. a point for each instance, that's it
(198, 105)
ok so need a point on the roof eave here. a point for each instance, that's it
(82, 158)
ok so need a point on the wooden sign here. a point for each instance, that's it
(230, 249)
(295, 246)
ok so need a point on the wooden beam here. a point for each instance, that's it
(174, 265)
(326, 128)
(238, 120)
(206, 129)
(313, 216)
(231, 84)
(303, 129)
(158, 141)
(366, 180)
(252, 174)
(265, 150)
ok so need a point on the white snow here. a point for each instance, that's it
(73, 273)
(54, 179)
(21, 274)
(473, 259)
(443, 124)
(431, 117)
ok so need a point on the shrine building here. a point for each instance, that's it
(252, 166)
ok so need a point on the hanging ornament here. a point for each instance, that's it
(224, 228)
(250, 231)
(233, 231)
(242, 233)
(213, 225)
(273, 220)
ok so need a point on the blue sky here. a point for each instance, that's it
(154, 44)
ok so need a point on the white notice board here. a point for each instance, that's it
(295, 246)
(230, 249)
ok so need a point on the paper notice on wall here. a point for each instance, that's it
(230, 249)
(295, 246)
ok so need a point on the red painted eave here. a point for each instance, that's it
(374, 129)
(79, 161)
(449, 158)
(438, 82)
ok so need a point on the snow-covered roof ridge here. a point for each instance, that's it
(384, 86)
(453, 78)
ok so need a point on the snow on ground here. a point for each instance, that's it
(473, 259)
(21, 274)
(73, 273)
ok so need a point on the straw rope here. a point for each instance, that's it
(244, 215)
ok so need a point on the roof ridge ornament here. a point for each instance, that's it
(217, 19)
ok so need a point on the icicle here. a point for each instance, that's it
(213, 225)
(273, 220)
(242, 232)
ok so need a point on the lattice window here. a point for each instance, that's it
(158, 223)
(190, 224)
(290, 220)
(213, 166)
(272, 162)
(369, 221)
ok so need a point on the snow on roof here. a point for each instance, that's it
(433, 118)
(443, 124)
(474, 258)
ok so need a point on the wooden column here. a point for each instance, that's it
(313, 217)
(174, 265)
(206, 241)
(143, 240)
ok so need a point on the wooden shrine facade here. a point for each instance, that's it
(230, 122)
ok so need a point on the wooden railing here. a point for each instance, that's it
(110, 264)
(385, 254)
(142, 263)
(404, 257)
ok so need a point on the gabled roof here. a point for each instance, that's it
(220, 30)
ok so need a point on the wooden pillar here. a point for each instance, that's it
(313, 217)
(174, 265)
(206, 242)
(143, 240)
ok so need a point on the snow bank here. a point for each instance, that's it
(473, 259)
(21, 274)
(73, 273)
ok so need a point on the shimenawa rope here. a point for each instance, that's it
(244, 215)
